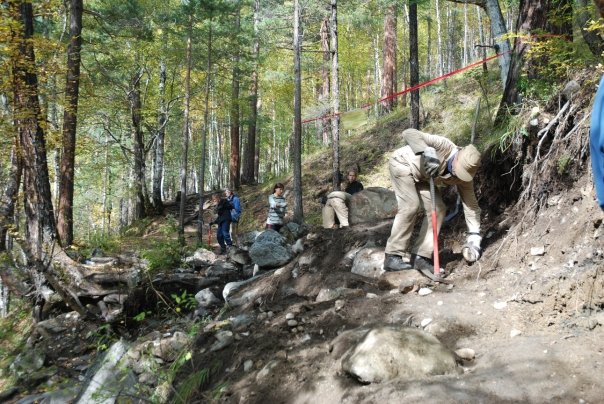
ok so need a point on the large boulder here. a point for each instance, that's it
(368, 262)
(270, 250)
(372, 204)
(388, 353)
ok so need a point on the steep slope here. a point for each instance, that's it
(532, 308)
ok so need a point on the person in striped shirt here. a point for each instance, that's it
(277, 206)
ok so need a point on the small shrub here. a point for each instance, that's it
(563, 164)
(162, 254)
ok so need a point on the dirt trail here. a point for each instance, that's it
(535, 322)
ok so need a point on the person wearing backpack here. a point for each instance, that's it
(222, 209)
(235, 212)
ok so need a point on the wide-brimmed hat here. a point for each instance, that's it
(468, 162)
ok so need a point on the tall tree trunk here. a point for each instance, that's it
(248, 172)
(70, 118)
(439, 40)
(413, 64)
(158, 160)
(593, 40)
(138, 146)
(388, 78)
(466, 34)
(206, 124)
(429, 50)
(40, 222)
(185, 133)
(325, 84)
(335, 95)
(483, 50)
(377, 74)
(10, 193)
(106, 190)
(234, 163)
(532, 15)
(297, 139)
(499, 33)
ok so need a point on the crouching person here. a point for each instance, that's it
(337, 203)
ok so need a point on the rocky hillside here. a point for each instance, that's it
(318, 321)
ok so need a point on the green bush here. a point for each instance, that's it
(163, 254)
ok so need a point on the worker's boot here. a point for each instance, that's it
(395, 263)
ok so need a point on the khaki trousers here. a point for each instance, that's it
(412, 196)
(335, 205)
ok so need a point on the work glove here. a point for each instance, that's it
(431, 162)
(471, 250)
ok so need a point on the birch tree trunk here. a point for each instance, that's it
(185, 133)
(466, 28)
(499, 32)
(335, 95)
(70, 118)
(297, 138)
(206, 124)
(439, 40)
(388, 78)
(158, 161)
(325, 83)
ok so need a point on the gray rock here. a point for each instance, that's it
(109, 381)
(333, 294)
(266, 370)
(201, 258)
(169, 348)
(372, 204)
(205, 298)
(247, 239)
(388, 353)
(28, 361)
(239, 256)
(368, 262)
(270, 250)
(223, 339)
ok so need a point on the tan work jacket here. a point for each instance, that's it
(412, 156)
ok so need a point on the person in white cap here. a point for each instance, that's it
(411, 167)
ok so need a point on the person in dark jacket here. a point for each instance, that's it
(235, 212)
(223, 221)
(336, 203)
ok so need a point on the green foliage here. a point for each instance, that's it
(141, 316)
(103, 337)
(185, 391)
(185, 301)
(163, 254)
(99, 240)
(563, 164)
